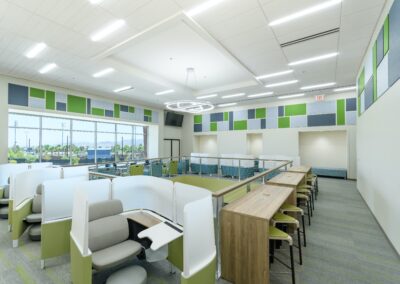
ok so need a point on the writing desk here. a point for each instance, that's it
(245, 234)
(300, 169)
(289, 179)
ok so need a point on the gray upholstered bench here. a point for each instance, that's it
(129, 275)
(330, 172)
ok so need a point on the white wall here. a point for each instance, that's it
(3, 121)
(324, 149)
(233, 142)
(254, 144)
(281, 142)
(378, 152)
(207, 144)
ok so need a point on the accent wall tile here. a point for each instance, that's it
(61, 97)
(61, 106)
(240, 115)
(322, 120)
(197, 128)
(379, 47)
(298, 121)
(251, 114)
(231, 120)
(281, 111)
(383, 76)
(362, 104)
(109, 113)
(206, 126)
(223, 125)
(206, 119)
(263, 123)
(154, 118)
(323, 107)
(351, 117)
(254, 124)
(369, 93)
(272, 112)
(18, 95)
(351, 104)
(219, 116)
(37, 103)
(271, 122)
(368, 66)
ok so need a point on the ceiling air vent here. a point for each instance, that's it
(314, 36)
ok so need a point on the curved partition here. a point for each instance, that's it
(36, 166)
(7, 170)
(71, 172)
(145, 192)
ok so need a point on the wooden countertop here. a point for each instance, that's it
(300, 169)
(263, 202)
(287, 179)
(143, 218)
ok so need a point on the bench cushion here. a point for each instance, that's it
(37, 204)
(4, 212)
(129, 275)
(34, 218)
(4, 201)
(115, 255)
(35, 232)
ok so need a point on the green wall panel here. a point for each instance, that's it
(213, 126)
(50, 100)
(36, 93)
(299, 109)
(261, 113)
(76, 104)
(386, 36)
(240, 125)
(375, 71)
(284, 122)
(361, 82)
(117, 110)
(147, 112)
(198, 119)
(226, 116)
(131, 109)
(341, 110)
(98, 111)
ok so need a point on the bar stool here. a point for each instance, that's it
(284, 219)
(312, 179)
(289, 208)
(303, 199)
(277, 235)
(304, 189)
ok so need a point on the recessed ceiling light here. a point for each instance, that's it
(189, 106)
(203, 7)
(166, 92)
(291, 96)
(319, 86)
(305, 12)
(233, 96)
(282, 84)
(103, 72)
(34, 51)
(274, 75)
(106, 31)
(260, 95)
(207, 96)
(228, 104)
(351, 88)
(123, 89)
(47, 68)
(312, 59)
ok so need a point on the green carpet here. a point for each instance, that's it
(344, 245)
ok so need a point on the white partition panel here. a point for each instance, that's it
(57, 198)
(195, 160)
(96, 190)
(80, 219)
(226, 162)
(185, 194)
(7, 170)
(145, 192)
(35, 166)
(70, 172)
(24, 185)
(198, 240)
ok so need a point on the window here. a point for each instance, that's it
(35, 138)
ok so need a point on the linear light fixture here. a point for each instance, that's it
(207, 96)
(260, 95)
(266, 76)
(35, 50)
(47, 68)
(305, 12)
(290, 96)
(122, 89)
(103, 72)
(107, 30)
(233, 96)
(282, 84)
(227, 105)
(166, 92)
(319, 86)
(313, 59)
(203, 7)
(351, 88)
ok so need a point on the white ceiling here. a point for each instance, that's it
(227, 45)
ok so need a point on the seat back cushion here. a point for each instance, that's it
(105, 209)
(6, 193)
(108, 231)
(37, 204)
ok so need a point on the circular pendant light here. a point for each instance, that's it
(189, 106)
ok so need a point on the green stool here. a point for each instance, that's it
(136, 170)
(303, 199)
(289, 208)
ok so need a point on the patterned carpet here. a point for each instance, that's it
(344, 245)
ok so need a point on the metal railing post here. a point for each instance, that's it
(239, 170)
(219, 204)
(200, 172)
(218, 168)
(263, 178)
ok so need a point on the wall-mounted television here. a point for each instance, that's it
(173, 119)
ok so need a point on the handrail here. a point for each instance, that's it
(240, 184)
(102, 175)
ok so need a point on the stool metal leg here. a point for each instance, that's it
(292, 265)
(299, 242)
(304, 230)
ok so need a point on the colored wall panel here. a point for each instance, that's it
(272, 112)
(382, 77)
(61, 106)
(213, 126)
(76, 104)
(147, 112)
(351, 117)
(386, 36)
(226, 116)
(298, 121)
(240, 125)
(361, 82)
(379, 47)
(351, 104)
(299, 109)
(240, 115)
(261, 113)
(18, 95)
(89, 106)
(231, 120)
(97, 111)
(323, 107)
(37, 103)
(131, 109)
(223, 125)
(197, 128)
(340, 113)
(271, 122)
(219, 116)
(263, 123)
(251, 114)
(394, 43)
(254, 124)
(198, 119)
(117, 110)
(375, 66)
(284, 122)
(108, 113)
(281, 111)
(36, 93)
(369, 93)
(50, 100)
(322, 120)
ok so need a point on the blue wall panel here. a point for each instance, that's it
(197, 128)
(61, 106)
(379, 47)
(219, 116)
(369, 93)
(251, 114)
(18, 95)
(351, 104)
(321, 120)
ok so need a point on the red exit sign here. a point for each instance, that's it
(320, 98)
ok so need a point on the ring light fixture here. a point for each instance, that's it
(189, 106)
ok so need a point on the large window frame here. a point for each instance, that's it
(71, 130)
